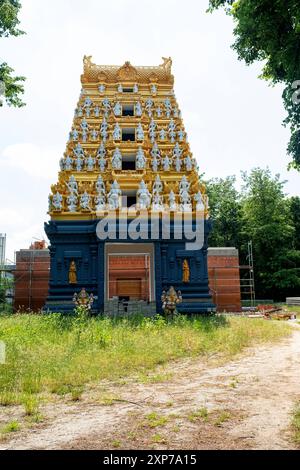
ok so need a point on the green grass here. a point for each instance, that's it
(296, 424)
(13, 426)
(59, 354)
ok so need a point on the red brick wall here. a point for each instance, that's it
(224, 278)
(31, 279)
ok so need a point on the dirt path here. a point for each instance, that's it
(249, 401)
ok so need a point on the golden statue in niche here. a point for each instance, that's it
(73, 273)
(185, 271)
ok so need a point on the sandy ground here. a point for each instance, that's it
(249, 402)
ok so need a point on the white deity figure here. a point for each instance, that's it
(103, 129)
(168, 107)
(198, 198)
(138, 109)
(101, 88)
(143, 196)
(100, 186)
(62, 164)
(74, 134)
(116, 161)
(157, 199)
(148, 106)
(85, 201)
(155, 163)
(97, 111)
(72, 202)
(94, 134)
(177, 163)
(88, 112)
(84, 125)
(102, 164)
(90, 162)
(157, 186)
(177, 151)
(72, 185)
(120, 88)
(114, 196)
(181, 135)
(100, 202)
(84, 136)
(171, 130)
(140, 160)
(68, 163)
(153, 89)
(57, 201)
(188, 163)
(106, 106)
(117, 132)
(79, 112)
(158, 111)
(167, 163)
(155, 154)
(101, 152)
(78, 150)
(175, 112)
(172, 201)
(135, 88)
(152, 130)
(79, 163)
(162, 134)
(139, 132)
(88, 102)
(185, 198)
(117, 109)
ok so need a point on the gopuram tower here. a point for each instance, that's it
(129, 214)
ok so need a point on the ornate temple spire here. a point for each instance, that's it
(128, 130)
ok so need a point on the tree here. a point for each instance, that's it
(225, 212)
(269, 224)
(269, 31)
(295, 213)
(10, 86)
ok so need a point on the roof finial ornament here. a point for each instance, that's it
(167, 64)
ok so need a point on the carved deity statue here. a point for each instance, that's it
(114, 196)
(117, 132)
(185, 271)
(199, 201)
(90, 162)
(185, 197)
(139, 132)
(68, 163)
(140, 161)
(72, 185)
(85, 201)
(57, 200)
(143, 196)
(116, 161)
(170, 299)
(103, 129)
(138, 109)
(172, 201)
(117, 109)
(148, 106)
(152, 130)
(166, 162)
(83, 299)
(188, 163)
(171, 130)
(72, 273)
(100, 199)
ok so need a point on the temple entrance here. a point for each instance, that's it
(129, 271)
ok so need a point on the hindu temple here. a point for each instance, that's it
(129, 214)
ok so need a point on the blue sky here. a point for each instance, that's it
(232, 118)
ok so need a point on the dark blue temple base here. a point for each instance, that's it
(78, 241)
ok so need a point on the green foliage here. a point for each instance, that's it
(225, 211)
(261, 212)
(11, 86)
(43, 354)
(9, 10)
(269, 31)
(296, 424)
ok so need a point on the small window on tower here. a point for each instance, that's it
(128, 90)
(128, 162)
(128, 198)
(128, 133)
(127, 110)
